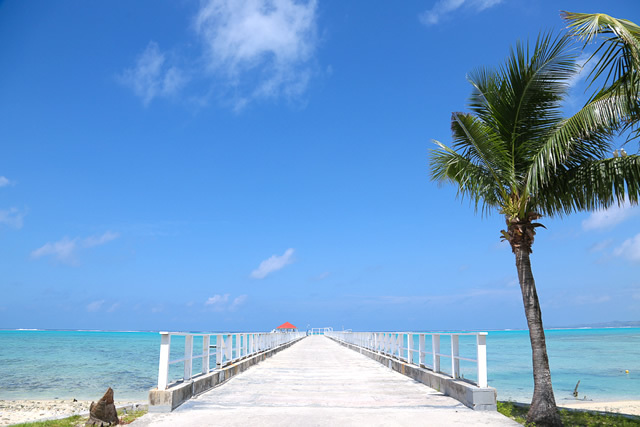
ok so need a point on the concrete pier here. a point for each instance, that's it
(317, 382)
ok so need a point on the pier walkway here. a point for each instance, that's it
(318, 382)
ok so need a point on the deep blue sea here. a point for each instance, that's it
(81, 364)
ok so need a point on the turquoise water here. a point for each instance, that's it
(78, 364)
(596, 357)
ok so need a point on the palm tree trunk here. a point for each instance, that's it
(543, 409)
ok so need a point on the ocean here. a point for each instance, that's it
(82, 364)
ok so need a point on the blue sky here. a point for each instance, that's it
(225, 165)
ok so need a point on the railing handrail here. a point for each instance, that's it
(246, 344)
(392, 344)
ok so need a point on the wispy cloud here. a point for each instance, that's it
(4, 181)
(321, 276)
(65, 249)
(471, 294)
(261, 47)
(608, 218)
(95, 306)
(577, 95)
(629, 249)
(152, 76)
(92, 241)
(217, 300)
(442, 8)
(273, 263)
(237, 302)
(601, 246)
(12, 217)
(591, 299)
(586, 67)
(221, 303)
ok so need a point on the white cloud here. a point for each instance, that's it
(221, 302)
(217, 300)
(12, 217)
(100, 240)
(607, 218)
(152, 77)
(113, 307)
(274, 263)
(95, 306)
(444, 7)
(629, 249)
(237, 302)
(262, 47)
(248, 50)
(64, 249)
(4, 181)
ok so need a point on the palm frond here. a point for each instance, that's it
(591, 185)
(617, 58)
(472, 180)
(584, 136)
(517, 152)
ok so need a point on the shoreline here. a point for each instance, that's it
(619, 406)
(15, 411)
(28, 410)
(627, 407)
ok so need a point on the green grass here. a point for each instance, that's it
(569, 418)
(79, 420)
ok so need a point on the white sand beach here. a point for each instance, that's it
(21, 411)
(629, 407)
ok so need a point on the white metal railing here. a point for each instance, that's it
(393, 344)
(229, 348)
(319, 331)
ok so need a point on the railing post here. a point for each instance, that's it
(238, 338)
(482, 359)
(245, 344)
(205, 354)
(219, 351)
(409, 348)
(188, 356)
(163, 370)
(229, 348)
(455, 352)
(435, 346)
(421, 361)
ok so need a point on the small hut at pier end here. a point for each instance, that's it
(286, 327)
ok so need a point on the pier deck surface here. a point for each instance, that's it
(317, 382)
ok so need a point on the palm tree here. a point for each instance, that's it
(516, 153)
(617, 59)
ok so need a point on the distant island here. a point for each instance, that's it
(613, 324)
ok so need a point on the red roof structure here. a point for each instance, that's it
(286, 325)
